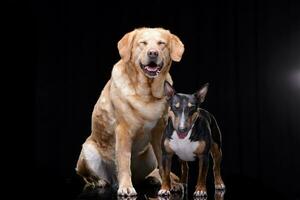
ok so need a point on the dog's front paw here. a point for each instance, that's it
(200, 198)
(127, 191)
(164, 193)
(220, 186)
(200, 192)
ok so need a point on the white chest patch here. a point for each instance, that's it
(183, 148)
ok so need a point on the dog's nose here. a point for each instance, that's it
(152, 53)
(182, 129)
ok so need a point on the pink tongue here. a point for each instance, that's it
(182, 135)
(152, 69)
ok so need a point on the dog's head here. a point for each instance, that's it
(184, 108)
(150, 50)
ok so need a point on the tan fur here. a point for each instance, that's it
(201, 181)
(184, 172)
(217, 155)
(131, 111)
(200, 149)
(193, 118)
(167, 146)
(157, 137)
(175, 120)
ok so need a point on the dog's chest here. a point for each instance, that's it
(143, 137)
(148, 126)
(151, 111)
(184, 148)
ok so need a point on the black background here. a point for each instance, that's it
(249, 52)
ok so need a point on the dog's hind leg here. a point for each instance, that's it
(94, 170)
(216, 153)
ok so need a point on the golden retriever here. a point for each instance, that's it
(130, 115)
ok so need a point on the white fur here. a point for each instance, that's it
(96, 164)
(183, 148)
(182, 119)
(92, 157)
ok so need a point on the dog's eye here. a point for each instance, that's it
(176, 106)
(192, 107)
(175, 109)
(161, 43)
(143, 42)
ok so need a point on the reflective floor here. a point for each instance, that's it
(236, 188)
(144, 193)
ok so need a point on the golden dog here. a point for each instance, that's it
(130, 115)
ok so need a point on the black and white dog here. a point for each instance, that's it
(191, 133)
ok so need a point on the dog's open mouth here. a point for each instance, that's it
(152, 69)
(182, 135)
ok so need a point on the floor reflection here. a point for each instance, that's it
(144, 193)
(236, 189)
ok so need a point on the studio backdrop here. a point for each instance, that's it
(249, 52)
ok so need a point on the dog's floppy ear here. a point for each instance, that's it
(168, 90)
(177, 48)
(201, 93)
(125, 45)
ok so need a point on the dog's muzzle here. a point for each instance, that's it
(152, 69)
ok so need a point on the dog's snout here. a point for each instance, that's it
(152, 53)
(182, 129)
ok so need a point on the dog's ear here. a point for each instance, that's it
(201, 93)
(177, 48)
(168, 90)
(125, 45)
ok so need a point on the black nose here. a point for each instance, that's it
(152, 53)
(183, 130)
